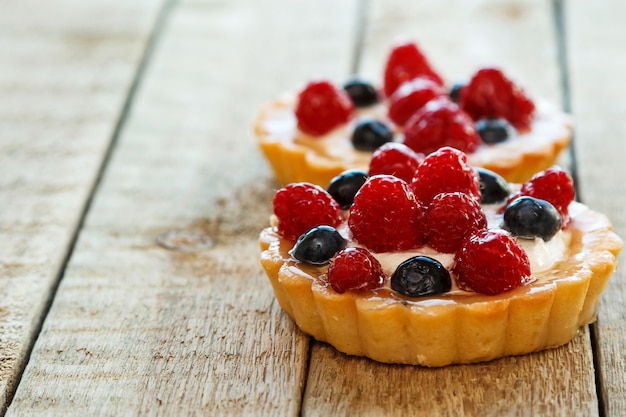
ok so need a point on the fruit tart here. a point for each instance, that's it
(322, 130)
(456, 265)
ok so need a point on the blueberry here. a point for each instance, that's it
(361, 92)
(455, 91)
(419, 276)
(529, 217)
(493, 188)
(318, 245)
(368, 135)
(495, 130)
(344, 186)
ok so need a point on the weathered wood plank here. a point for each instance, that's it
(596, 39)
(137, 329)
(460, 36)
(66, 68)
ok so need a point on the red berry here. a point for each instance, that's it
(441, 123)
(395, 159)
(355, 269)
(302, 206)
(491, 262)
(553, 185)
(386, 216)
(490, 94)
(322, 107)
(411, 96)
(406, 62)
(450, 217)
(444, 171)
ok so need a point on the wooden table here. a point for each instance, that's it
(132, 194)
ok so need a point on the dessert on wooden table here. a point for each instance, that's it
(455, 265)
(322, 130)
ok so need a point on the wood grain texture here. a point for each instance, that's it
(459, 37)
(595, 41)
(138, 328)
(64, 75)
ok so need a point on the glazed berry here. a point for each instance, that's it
(490, 261)
(455, 91)
(386, 216)
(318, 245)
(370, 134)
(395, 159)
(450, 217)
(493, 188)
(491, 94)
(406, 62)
(321, 108)
(361, 92)
(411, 96)
(302, 206)
(345, 185)
(420, 276)
(444, 171)
(494, 130)
(529, 217)
(355, 269)
(440, 123)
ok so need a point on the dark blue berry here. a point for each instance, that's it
(344, 187)
(318, 245)
(420, 276)
(369, 135)
(493, 188)
(495, 130)
(529, 217)
(455, 91)
(361, 92)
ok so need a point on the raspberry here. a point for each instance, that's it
(322, 107)
(395, 159)
(491, 262)
(386, 216)
(406, 62)
(411, 96)
(553, 185)
(302, 206)
(490, 94)
(355, 269)
(440, 123)
(443, 171)
(450, 217)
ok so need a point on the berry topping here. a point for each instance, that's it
(302, 206)
(493, 188)
(322, 107)
(553, 185)
(491, 94)
(529, 217)
(370, 134)
(440, 123)
(395, 159)
(411, 96)
(444, 171)
(450, 217)
(345, 185)
(386, 216)
(420, 276)
(318, 245)
(355, 269)
(406, 62)
(361, 92)
(491, 262)
(495, 130)
(455, 91)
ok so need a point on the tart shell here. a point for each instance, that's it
(450, 328)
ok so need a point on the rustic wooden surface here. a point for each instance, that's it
(135, 185)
